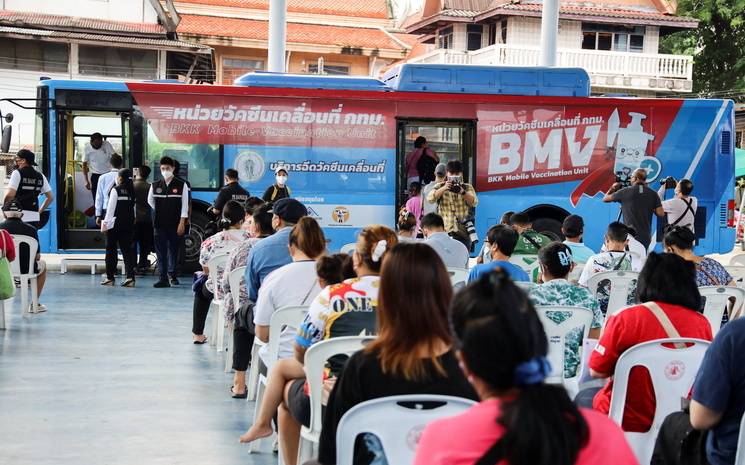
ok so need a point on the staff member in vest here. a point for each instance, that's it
(26, 184)
(169, 198)
(96, 157)
(105, 183)
(232, 191)
(119, 226)
(278, 190)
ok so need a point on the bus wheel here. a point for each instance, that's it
(193, 241)
(549, 227)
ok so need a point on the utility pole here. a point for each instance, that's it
(277, 35)
(549, 32)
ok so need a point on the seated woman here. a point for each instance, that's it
(668, 282)
(406, 225)
(414, 206)
(230, 234)
(413, 353)
(520, 420)
(556, 263)
(345, 309)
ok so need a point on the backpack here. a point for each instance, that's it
(426, 168)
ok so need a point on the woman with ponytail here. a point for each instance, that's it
(119, 226)
(231, 234)
(520, 419)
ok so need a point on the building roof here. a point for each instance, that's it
(297, 33)
(69, 23)
(363, 9)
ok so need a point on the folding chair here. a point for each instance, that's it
(620, 284)
(672, 372)
(235, 278)
(557, 333)
(216, 264)
(315, 361)
(28, 279)
(395, 420)
(287, 316)
(717, 298)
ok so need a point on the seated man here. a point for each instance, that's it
(452, 252)
(530, 241)
(13, 212)
(501, 240)
(573, 229)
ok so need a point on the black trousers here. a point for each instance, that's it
(243, 341)
(143, 237)
(200, 310)
(122, 238)
(94, 185)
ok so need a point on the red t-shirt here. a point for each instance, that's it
(625, 329)
(10, 249)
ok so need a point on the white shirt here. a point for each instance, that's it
(293, 284)
(607, 261)
(15, 181)
(634, 247)
(98, 159)
(104, 186)
(453, 253)
(676, 207)
(184, 199)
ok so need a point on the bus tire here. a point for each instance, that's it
(549, 227)
(193, 241)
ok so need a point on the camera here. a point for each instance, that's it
(623, 179)
(467, 221)
(669, 182)
(455, 188)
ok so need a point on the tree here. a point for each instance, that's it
(717, 45)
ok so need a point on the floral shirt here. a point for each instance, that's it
(562, 292)
(224, 241)
(238, 258)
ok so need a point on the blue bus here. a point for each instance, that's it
(530, 139)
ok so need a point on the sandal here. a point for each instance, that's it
(236, 395)
(107, 282)
(128, 283)
(200, 341)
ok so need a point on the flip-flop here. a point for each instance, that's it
(238, 396)
(200, 342)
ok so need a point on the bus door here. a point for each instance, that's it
(450, 139)
(76, 211)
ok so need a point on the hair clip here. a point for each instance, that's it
(565, 258)
(532, 372)
(380, 249)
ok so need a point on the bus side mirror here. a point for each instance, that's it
(5, 144)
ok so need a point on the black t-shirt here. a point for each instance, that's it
(231, 191)
(16, 226)
(638, 204)
(362, 379)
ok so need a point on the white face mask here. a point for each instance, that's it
(166, 174)
(281, 180)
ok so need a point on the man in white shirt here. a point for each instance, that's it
(104, 185)
(96, 159)
(681, 209)
(452, 252)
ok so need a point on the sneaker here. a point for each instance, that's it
(174, 281)
(41, 307)
(162, 283)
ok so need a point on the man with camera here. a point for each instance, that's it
(638, 203)
(681, 209)
(454, 197)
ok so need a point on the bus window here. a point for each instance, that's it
(199, 163)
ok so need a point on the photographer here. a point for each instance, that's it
(454, 198)
(681, 209)
(638, 203)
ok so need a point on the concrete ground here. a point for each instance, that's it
(109, 375)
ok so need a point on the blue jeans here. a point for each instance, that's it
(167, 244)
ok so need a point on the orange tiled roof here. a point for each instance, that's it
(296, 32)
(361, 9)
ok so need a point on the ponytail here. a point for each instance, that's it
(373, 243)
(232, 214)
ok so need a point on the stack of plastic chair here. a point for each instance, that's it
(672, 371)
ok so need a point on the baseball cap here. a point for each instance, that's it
(13, 206)
(440, 169)
(27, 155)
(573, 225)
(289, 210)
(280, 168)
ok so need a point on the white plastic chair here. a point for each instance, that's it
(576, 272)
(740, 457)
(235, 278)
(738, 259)
(557, 333)
(672, 372)
(28, 279)
(396, 421)
(458, 276)
(216, 264)
(525, 286)
(620, 282)
(348, 248)
(717, 298)
(529, 263)
(286, 316)
(315, 362)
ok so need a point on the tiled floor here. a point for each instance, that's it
(108, 375)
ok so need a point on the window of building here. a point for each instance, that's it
(34, 55)
(118, 62)
(473, 36)
(337, 70)
(618, 38)
(233, 68)
(445, 38)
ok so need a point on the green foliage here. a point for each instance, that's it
(717, 46)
